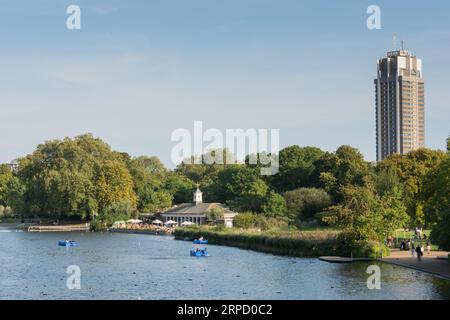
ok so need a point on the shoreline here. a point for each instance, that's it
(430, 263)
(148, 232)
(308, 246)
(433, 264)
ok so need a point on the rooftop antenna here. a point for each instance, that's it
(402, 45)
(394, 42)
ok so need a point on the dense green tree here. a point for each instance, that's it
(448, 144)
(15, 196)
(411, 170)
(274, 206)
(335, 171)
(117, 211)
(304, 203)
(5, 178)
(203, 168)
(114, 184)
(241, 187)
(249, 195)
(149, 176)
(296, 168)
(387, 180)
(64, 178)
(436, 199)
(179, 187)
(366, 216)
(245, 220)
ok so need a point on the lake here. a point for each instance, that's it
(131, 266)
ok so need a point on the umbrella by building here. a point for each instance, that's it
(134, 221)
(170, 223)
(118, 223)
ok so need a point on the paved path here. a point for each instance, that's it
(430, 263)
(334, 259)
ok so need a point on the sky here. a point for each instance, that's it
(139, 69)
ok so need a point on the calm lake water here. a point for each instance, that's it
(128, 266)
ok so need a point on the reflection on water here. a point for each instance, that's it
(127, 266)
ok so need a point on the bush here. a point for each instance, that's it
(6, 212)
(219, 227)
(367, 249)
(324, 218)
(274, 206)
(245, 220)
(97, 225)
(214, 215)
(440, 234)
(362, 248)
(248, 220)
(116, 212)
(303, 203)
(310, 224)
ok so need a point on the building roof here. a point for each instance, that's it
(197, 209)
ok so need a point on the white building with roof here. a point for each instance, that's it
(197, 211)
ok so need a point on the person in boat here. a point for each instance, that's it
(201, 238)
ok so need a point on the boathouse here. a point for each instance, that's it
(197, 211)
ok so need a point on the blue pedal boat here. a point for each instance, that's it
(197, 241)
(199, 253)
(67, 243)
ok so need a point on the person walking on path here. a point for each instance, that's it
(419, 253)
(428, 247)
(413, 249)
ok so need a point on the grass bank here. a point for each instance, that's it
(290, 243)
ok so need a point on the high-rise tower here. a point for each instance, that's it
(400, 113)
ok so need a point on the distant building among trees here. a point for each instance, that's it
(200, 212)
(14, 166)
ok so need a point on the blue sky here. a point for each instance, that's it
(138, 70)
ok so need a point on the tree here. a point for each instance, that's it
(215, 214)
(436, 198)
(387, 180)
(5, 177)
(60, 178)
(117, 211)
(114, 184)
(149, 176)
(411, 170)
(179, 187)
(296, 168)
(241, 187)
(335, 171)
(245, 220)
(448, 144)
(304, 203)
(274, 206)
(365, 216)
(202, 168)
(251, 195)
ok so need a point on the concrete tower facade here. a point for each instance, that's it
(400, 104)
